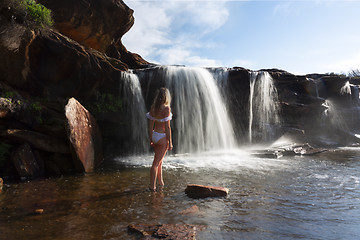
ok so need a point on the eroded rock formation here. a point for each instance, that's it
(96, 24)
(84, 136)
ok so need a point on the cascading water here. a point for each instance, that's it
(135, 111)
(351, 113)
(200, 116)
(263, 106)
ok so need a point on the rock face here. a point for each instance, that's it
(201, 191)
(42, 68)
(84, 136)
(97, 24)
(37, 140)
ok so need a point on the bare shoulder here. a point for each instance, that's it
(166, 111)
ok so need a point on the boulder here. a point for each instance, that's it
(84, 136)
(201, 191)
(25, 162)
(166, 231)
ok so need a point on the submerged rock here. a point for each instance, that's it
(190, 211)
(166, 231)
(201, 191)
(84, 136)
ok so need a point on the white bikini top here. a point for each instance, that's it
(159, 120)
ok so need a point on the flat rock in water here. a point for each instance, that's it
(202, 191)
(166, 231)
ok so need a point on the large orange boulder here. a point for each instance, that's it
(84, 135)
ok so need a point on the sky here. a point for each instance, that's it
(301, 37)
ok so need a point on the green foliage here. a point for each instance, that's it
(107, 102)
(32, 13)
(38, 13)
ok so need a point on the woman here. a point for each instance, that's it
(159, 133)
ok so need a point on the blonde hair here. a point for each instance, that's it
(162, 96)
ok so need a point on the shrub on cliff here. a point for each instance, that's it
(354, 73)
(30, 12)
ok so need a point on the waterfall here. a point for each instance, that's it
(352, 113)
(135, 111)
(200, 116)
(263, 106)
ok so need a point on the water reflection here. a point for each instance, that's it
(314, 197)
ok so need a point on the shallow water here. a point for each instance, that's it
(308, 197)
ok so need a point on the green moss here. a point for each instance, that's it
(107, 102)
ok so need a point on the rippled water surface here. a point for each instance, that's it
(308, 197)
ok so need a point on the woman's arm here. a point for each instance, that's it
(151, 127)
(168, 129)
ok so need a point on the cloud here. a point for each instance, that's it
(171, 32)
(283, 8)
(343, 65)
(150, 29)
(182, 56)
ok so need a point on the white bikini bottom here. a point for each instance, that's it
(157, 136)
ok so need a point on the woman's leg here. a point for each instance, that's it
(160, 149)
(159, 174)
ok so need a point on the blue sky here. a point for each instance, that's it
(301, 37)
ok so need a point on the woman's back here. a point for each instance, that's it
(161, 117)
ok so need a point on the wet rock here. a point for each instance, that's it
(201, 191)
(190, 211)
(37, 140)
(25, 162)
(267, 154)
(84, 136)
(306, 149)
(301, 149)
(166, 231)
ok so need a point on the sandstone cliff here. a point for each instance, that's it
(42, 67)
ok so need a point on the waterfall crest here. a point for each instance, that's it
(200, 116)
(263, 106)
